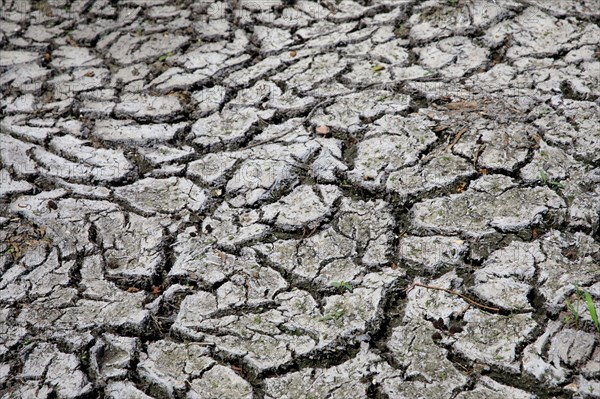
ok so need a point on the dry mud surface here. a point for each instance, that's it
(284, 199)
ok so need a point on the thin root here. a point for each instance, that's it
(464, 297)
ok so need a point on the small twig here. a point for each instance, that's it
(478, 153)
(457, 137)
(301, 239)
(157, 324)
(463, 367)
(317, 106)
(465, 298)
(312, 231)
(303, 233)
(305, 236)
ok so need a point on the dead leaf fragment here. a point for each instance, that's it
(90, 74)
(222, 255)
(394, 266)
(112, 264)
(571, 254)
(455, 329)
(155, 290)
(462, 105)
(133, 289)
(72, 41)
(323, 130)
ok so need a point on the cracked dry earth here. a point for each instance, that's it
(272, 199)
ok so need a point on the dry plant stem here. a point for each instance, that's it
(312, 232)
(457, 137)
(467, 299)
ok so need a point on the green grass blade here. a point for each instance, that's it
(592, 309)
(575, 313)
